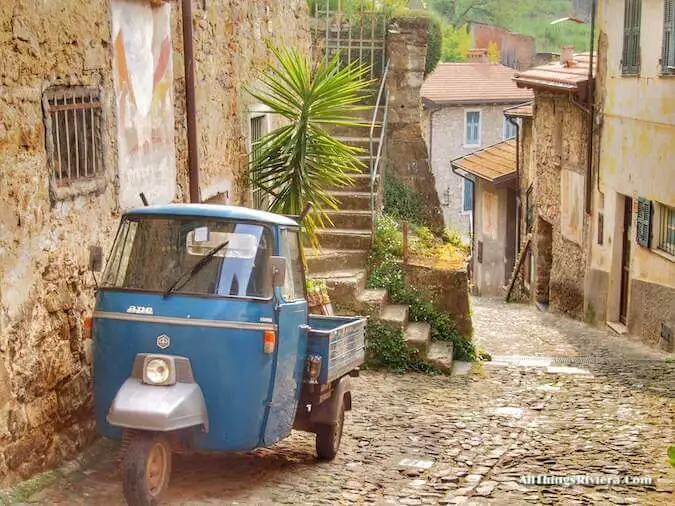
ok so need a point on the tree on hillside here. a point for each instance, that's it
(458, 12)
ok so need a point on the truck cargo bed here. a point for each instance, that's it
(340, 341)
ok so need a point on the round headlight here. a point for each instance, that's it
(157, 371)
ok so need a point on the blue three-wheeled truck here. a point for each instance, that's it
(203, 341)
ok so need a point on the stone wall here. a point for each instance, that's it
(559, 214)
(406, 150)
(45, 289)
(447, 289)
(230, 43)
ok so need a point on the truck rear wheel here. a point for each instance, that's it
(146, 468)
(328, 437)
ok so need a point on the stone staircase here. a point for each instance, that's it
(343, 257)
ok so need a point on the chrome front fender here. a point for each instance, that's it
(158, 408)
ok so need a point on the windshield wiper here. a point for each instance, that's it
(187, 276)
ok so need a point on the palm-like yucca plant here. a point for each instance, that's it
(299, 162)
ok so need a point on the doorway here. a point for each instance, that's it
(625, 257)
(544, 262)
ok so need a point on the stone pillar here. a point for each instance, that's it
(406, 150)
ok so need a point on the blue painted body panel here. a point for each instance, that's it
(288, 372)
(228, 364)
(214, 211)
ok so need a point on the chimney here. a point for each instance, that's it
(567, 56)
(478, 56)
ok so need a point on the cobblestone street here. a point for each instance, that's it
(590, 404)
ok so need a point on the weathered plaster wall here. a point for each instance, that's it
(45, 289)
(406, 150)
(560, 147)
(445, 141)
(230, 43)
(636, 160)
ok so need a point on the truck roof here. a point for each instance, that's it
(213, 211)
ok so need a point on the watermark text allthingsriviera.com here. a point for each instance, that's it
(586, 479)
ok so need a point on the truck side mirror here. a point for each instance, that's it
(95, 258)
(278, 265)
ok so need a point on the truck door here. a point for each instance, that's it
(291, 346)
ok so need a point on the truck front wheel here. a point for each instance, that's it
(146, 468)
(328, 437)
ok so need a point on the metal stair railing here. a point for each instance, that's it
(375, 158)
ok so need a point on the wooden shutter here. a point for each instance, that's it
(668, 58)
(631, 37)
(644, 222)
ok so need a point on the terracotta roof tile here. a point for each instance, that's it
(556, 76)
(496, 163)
(473, 83)
(520, 111)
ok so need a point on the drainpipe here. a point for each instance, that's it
(591, 115)
(190, 107)
(432, 111)
(518, 194)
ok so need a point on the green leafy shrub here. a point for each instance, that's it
(386, 272)
(401, 201)
(386, 348)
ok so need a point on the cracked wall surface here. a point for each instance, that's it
(46, 291)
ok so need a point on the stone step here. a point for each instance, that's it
(350, 200)
(343, 286)
(361, 183)
(359, 141)
(440, 356)
(396, 315)
(326, 259)
(372, 301)
(359, 220)
(362, 130)
(418, 336)
(344, 238)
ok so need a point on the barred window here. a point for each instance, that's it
(668, 57)
(259, 128)
(666, 231)
(73, 123)
(630, 63)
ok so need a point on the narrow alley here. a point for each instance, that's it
(558, 399)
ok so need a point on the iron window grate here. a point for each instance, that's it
(257, 133)
(668, 56)
(73, 121)
(667, 230)
(630, 63)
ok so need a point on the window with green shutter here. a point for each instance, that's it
(668, 57)
(644, 222)
(630, 63)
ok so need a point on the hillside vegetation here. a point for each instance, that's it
(529, 17)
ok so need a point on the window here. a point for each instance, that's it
(294, 288)
(666, 231)
(472, 129)
(668, 58)
(510, 130)
(152, 254)
(73, 124)
(467, 196)
(630, 62)
(259, 128)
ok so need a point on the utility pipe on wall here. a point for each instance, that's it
(190, 107)
(591, 115)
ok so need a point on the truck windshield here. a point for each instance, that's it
(151, 253)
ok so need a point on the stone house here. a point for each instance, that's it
(463, 112)
(552, 182)
(91, 114)
(631, 273)
(492, 171)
